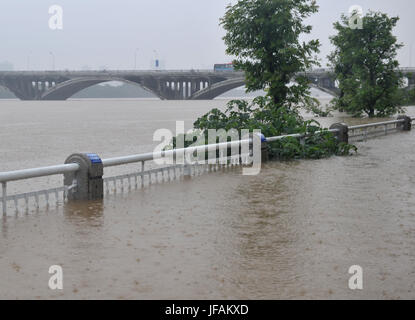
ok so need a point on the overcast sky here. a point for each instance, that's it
(183, 33)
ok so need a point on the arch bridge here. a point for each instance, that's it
(167, 85)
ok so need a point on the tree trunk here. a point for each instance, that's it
(371, 112)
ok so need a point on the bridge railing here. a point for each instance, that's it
(148, 175)
(112, 71)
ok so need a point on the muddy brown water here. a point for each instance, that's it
(291, 232)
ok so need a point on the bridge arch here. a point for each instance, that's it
(13, 94)
(220, 88)
(217, 89)
(67, 89)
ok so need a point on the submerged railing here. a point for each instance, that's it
(83, 172)
(366, 131)
(74, 182)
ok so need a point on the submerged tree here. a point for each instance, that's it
(364, 61)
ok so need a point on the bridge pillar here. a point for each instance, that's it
(342, 134)
(178, 87)
(30, 91)
(406, 125)
(88, 179)
(161, 88)
(194, 87)
(186, 90)
(173, 89)
(168, 89)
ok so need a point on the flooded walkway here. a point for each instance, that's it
(290, 233)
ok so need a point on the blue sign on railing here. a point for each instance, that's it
(94, 158)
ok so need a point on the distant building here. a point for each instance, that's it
(6, 66)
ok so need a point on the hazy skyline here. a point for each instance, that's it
(184, 34)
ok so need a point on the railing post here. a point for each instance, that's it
(4, 195)
(264, 149)
(406, 125)
(90, 185)
(142, 174)
(187, 171)
(343, 132)
(264, 146)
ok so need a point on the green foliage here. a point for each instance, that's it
(319, 112)
(260, 114)
(315, 146)
(364, 61)
(263, 35)
(274, 121)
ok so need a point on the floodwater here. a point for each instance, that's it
(291, 232)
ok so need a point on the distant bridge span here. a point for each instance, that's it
(167, 85)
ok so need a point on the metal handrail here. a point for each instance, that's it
(111, 162)
(38, 172)
(299, 135)
(164, 154)
(376, 124)
(6, 177)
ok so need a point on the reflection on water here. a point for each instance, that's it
(291, 232)
(84, 214)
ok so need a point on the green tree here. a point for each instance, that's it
(365, 65)
(264, 38)
(264, 35)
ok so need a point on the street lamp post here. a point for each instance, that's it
(53, 60)
(28, 61)
(135, 59)
(156, 62)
